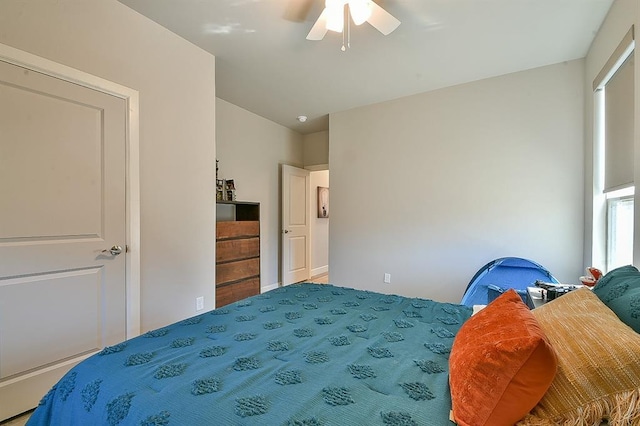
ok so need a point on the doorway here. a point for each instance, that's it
(319, 221)
(304, 224)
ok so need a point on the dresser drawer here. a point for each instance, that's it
(229, 250)
(237, 229)
(232, 292)
(235, 271)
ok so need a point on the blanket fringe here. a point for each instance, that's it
(622, 409)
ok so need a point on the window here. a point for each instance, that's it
(619, 228)
(614, 158)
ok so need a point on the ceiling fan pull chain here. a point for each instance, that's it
(346, 27)
(349, 30)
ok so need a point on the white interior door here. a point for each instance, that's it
(62, 202)
(295, 225)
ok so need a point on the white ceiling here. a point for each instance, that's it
(264, 63)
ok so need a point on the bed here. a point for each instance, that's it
(305, 354)
(318, 354)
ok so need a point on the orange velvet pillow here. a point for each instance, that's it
(501, 364)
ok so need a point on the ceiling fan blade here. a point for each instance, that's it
(382, 20)
(319, 29)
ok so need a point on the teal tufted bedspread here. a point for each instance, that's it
(305, 354)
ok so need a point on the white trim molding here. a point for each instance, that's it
(269, 287)
(319, 271)
(317, 167)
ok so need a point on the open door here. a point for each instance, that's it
(295, 225)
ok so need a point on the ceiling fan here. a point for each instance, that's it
(361, 11)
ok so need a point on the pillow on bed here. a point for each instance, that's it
(620, 291)
(598, 364)
(500, 364)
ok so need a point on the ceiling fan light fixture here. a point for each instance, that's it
(360, 11)
(333, 18)
(335, 15)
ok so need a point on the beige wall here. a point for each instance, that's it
(427, 188)
(622, 15)
(316, 148)
(176, 83)
(250, 149)
(431, 187)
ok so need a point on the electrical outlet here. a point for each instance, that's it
(199, 303)
(387, 278)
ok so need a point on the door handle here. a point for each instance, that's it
(115, 250)
(286, 231)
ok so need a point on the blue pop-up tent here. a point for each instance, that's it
(502, 274)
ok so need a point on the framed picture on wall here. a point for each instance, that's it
(323, 202)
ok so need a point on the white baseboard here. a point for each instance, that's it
(314, 273)
(269, 287)
(319, 271)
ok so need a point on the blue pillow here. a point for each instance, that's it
(619, 289)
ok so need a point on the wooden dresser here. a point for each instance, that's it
(237, 251)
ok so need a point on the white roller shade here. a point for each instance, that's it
(619, 127)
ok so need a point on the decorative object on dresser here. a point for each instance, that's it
(219, 189)
(225, 188)
(237, 251)
(219, 183)
(229, 190)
